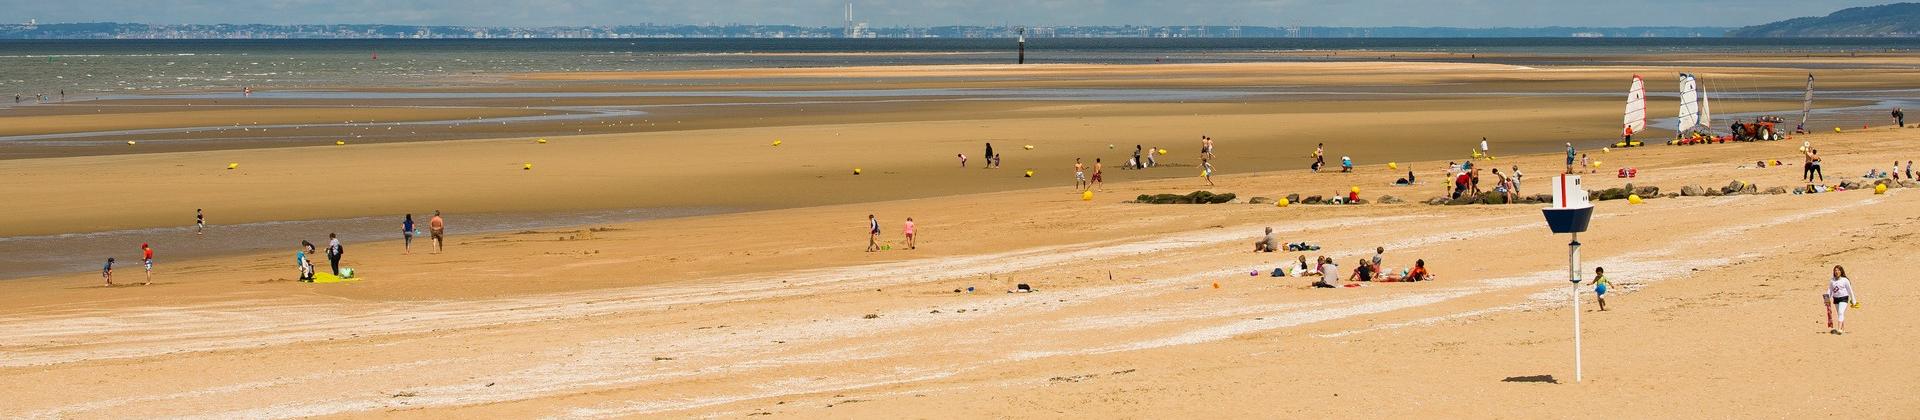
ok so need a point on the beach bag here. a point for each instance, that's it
(1280, 272)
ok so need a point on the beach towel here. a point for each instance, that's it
(324, 277)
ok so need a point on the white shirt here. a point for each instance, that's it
(1330, 273)
(1841, 287)
(1483, 145)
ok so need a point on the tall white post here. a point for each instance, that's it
(1574, 275)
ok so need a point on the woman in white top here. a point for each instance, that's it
(1840, 295)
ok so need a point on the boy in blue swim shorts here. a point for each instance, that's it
(1600, 286)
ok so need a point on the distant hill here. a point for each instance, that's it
(1893, 20)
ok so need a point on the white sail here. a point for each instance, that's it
(1806, 105)
(1706, 107)
(1636, 116)
(1689, 105)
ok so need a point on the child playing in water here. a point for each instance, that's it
(106, 272)
(1600, 286)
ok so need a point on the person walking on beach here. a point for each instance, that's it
(988, 156)
(1138, 162)
(873, 233)
(1152, 161)
(1079, 175)
(1587, 163)
(406, 234)
(1097, 170)
(1899, 118)
(199, 221)
(1909, 169)
(1483, 147)
(106, 272)
(1600, 285)
(1840, 296)
(1206, 171)
(146, 260)
(334, 252)
(437, 230)
(908, 229)
(1569, 158)
(1206, 147)
(1319, 156)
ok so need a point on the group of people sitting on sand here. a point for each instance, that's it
(1366, 270)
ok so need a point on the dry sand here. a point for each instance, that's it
(778, 312)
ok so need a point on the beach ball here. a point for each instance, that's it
(1163, 152)
(1029, 173)
(1281, 203)
(1879, 189)
(541, 141)
(856, 171)
(1633, 199)
(339, 142)
(1086, 195)
(1596, 164)
(1606, 150)
(526, 167)
(1028, 147)
(1393, 165)
(233, 166)
(776, 143)
(131, 142)
(1216, 285)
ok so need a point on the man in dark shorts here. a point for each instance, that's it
(439, 232)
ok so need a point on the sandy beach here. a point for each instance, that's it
(769, 307)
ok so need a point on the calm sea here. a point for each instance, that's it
(97, 66)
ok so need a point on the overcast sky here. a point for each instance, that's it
(1461, 13)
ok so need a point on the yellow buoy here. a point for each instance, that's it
(1393, 165)
(541, 141)
(1029, 173)
(1163, 152)
(233, 166)
(856, 171)
(1281, 203)
(526, 167)
(1028, 147)
(776, 143)
(1836, 129)
(131, 142)
(1086, 195)
(1633, 199)
(339, 142)
(1879, 189)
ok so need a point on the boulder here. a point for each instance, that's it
(1777, 190)
(1647, 192)
(1311, 199)
(1543, 198)
(1714, 193)
(1610, 194)
(1851, 185)
(1293, 198)
(1261, 200)
(1388, 199)
(1692, 191)
(1438, 201)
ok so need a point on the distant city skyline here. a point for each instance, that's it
(923, 13)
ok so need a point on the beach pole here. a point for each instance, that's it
(1570, 213)
(1023, 46)
(1573, 264)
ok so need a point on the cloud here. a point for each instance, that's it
(1464, 13)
